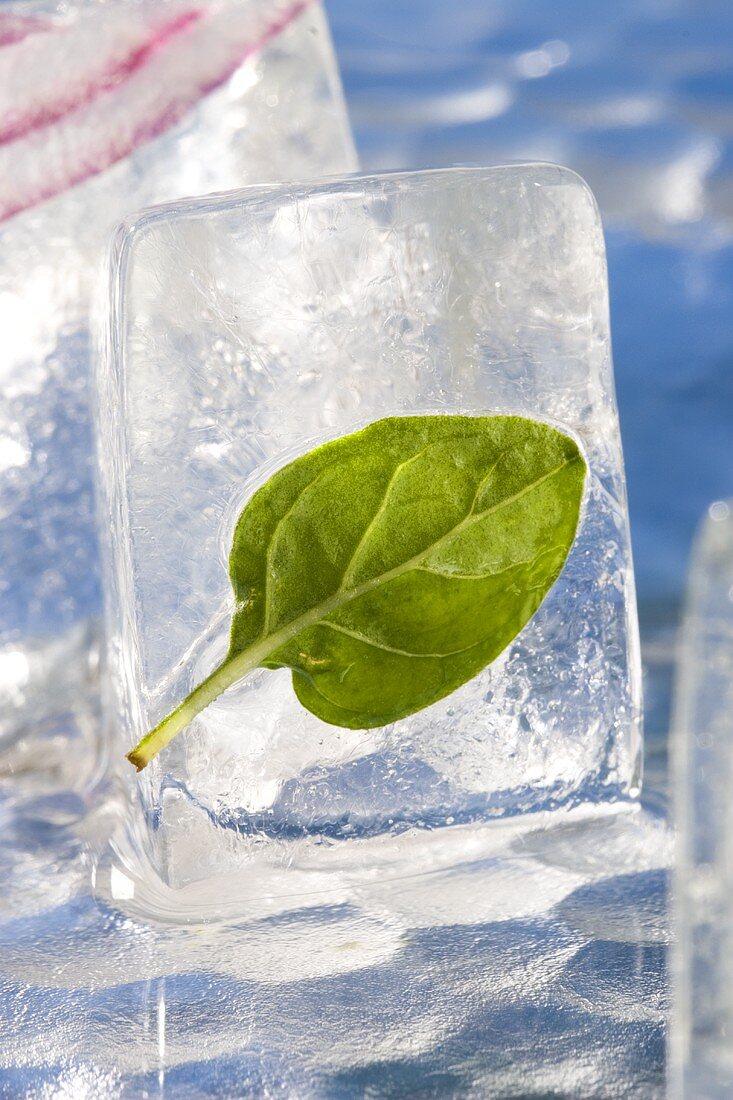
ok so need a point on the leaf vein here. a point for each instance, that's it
(340, 598)
(378, 513)
(393, 649)
(482, 483)
(271, 542)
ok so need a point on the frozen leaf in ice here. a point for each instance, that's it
(390, 566)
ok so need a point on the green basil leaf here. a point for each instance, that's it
(387, 568)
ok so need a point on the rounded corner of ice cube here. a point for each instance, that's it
(569, 177)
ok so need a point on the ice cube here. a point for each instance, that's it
(701, 1057)
(105, 107)
(246, 328)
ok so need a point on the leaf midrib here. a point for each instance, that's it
(378, 513)
(245, 660)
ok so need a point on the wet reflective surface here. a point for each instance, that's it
(529, 963)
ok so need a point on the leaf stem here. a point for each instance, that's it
(211, 688)
(232, 669)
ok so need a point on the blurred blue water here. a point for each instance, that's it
(637, 96)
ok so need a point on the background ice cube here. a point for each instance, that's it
(105, 107)
(701, 1058)
(246, 329)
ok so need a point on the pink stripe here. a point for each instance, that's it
(20, 127)
(251, 50)
(154, 127)
(14, 28)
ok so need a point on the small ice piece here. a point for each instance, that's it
(106, 107)
(701, 1053)
(243, 330)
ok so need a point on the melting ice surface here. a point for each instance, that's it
(512, 959)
